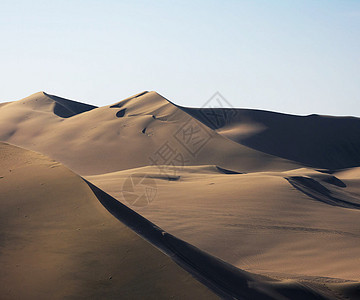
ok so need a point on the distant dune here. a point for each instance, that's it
(267, 205)
(316, 141)
(97, 137)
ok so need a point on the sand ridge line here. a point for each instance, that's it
(226, 280)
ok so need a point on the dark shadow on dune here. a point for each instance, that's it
(348, 290)
(62, 111)
(334, 181)
(166, 177)
(121, 113)
(118, 105)
(318, 191)
(164, 119)
(223, 278)
(123, 102)
(65, 108)
(140, 94)
(325, 171)
(227, 171)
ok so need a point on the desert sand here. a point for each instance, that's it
(238, 203)
(59, 242)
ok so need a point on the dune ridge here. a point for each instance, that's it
(101, 133)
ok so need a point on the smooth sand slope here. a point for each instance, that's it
(59, 242)
(125, 135)
(261, 222)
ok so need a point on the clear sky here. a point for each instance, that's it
(297, 57)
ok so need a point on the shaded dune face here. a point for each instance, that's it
(65, 108)
(315, 141)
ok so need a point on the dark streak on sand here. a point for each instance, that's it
(165, 177)
(123, 102)
(317, 191)
(227, 171)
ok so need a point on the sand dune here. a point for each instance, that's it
(316, 141)
(256, 221)
(58, 241)
(147, 123)
(275, 197)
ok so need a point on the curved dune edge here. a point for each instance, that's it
(314, 189)
(257, 222)
(223, 278)
(59, 242)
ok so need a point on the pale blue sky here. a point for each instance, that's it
(298, 57)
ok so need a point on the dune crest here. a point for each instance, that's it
(145, 123)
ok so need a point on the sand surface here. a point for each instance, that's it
(59, 242)
(123, 136)
(257, 221)
(268, 193)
